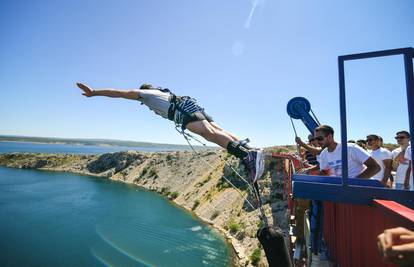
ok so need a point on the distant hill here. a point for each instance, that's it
(90, 142)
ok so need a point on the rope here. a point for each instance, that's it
(253, 189)
(297, 145)
(187, 136)
(315, 117)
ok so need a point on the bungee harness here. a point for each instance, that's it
(182, 109)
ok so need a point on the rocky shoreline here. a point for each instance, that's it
(193, 181)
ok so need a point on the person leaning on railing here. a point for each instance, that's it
(360, 163)
(310, 154)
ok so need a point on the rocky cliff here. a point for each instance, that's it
(193, 181)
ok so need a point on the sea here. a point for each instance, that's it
(62, 219)
(27, 147)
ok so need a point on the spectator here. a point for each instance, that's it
(408, 182)
(396, 246)
(382, 156)
(312, 146)
(360, 163)
(381, 141)
(309, 153)
(311, 158)
(362, 144)
(400, 164)
(391, 182)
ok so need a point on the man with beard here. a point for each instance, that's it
(383, 158)
(360, 163)
(401, 164)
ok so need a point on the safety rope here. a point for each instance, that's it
(254, 190)
(315, 117)
(187, 136)
(297, 145)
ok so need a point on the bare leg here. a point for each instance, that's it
(210, 133)
(233, 137)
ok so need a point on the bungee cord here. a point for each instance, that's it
(254, 190)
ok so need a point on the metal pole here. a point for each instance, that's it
(409, 83)
(342, 103)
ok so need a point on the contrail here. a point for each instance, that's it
(249, 19)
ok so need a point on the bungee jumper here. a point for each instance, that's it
(185, 112)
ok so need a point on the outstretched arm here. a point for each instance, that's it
(314, 150)
(127, 94)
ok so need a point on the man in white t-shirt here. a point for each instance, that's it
(382, 156)
(400, 163)
(408, 183)
(360, 163)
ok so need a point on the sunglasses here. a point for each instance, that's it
(400, 137)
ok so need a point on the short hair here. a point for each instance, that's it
(146, 86)
(374, 136)
(362, 141)
(404, 132)
(325, 129)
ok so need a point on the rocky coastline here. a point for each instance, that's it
(192, 181)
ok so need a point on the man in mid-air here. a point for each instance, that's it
(187, 114)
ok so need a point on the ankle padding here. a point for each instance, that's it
(235, 149)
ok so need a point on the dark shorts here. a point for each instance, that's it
(188, 111)
(196, 116)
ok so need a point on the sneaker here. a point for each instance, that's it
(250, 163)
(254, 162)
(260, 165)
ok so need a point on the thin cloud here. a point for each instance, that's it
(255, 3)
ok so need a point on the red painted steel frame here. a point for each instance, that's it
(351, 231)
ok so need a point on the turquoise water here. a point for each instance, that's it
(59, 219)
(9, 147)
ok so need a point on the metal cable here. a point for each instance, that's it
(315, 117)
(252, 189)
(225, 178)
(297, 145)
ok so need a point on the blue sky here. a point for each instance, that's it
(243, 60)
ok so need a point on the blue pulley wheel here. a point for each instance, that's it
(297, 106)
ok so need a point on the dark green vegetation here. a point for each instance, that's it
(233, 226)
(255, 257)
